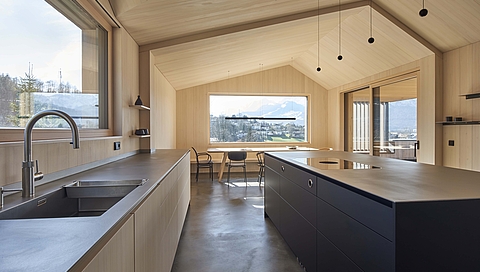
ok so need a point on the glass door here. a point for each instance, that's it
(395, 120)
(382, 121)
(357, 121)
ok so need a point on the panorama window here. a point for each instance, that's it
(52, 56)
(255, 118)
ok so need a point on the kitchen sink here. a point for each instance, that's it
(78, 199)
(101, 188)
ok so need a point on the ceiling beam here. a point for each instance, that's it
(251, 25)
(405, 28)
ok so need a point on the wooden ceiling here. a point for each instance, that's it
(200, 41)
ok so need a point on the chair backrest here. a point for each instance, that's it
(237, 155)
(196, 153)
(260, 158)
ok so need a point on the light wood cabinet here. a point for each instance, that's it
(148, 240)
(159, 221)
(118, 253)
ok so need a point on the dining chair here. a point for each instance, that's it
(237, 159)
(204, 160)
(261, 165)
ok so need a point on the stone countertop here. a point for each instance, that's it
(56, 244)
(396, 181)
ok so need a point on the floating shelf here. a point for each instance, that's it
(471, 95)
(140, 136)
(460, 123)
(140, 107)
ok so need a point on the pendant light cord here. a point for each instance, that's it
(318, 33)
(339, 29)
(371, 28)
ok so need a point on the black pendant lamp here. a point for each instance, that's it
(423, 12)
(340, 57)
(371, 39)
(318, 36)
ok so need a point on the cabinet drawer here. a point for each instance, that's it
(272, 179)
(330, 259)
(272, 205)
(367, 249)
(372, 214)
(301, 200)
(299, 235)
(304, 179)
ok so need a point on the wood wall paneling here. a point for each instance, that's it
(461, 76)
(193, 111)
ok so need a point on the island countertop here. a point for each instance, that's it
(57, 244)
(394, 180)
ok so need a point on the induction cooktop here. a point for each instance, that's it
(334, 163)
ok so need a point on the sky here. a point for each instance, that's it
(233, 104)
(31, 31)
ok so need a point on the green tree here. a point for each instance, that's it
(24, 107)
(8, 96)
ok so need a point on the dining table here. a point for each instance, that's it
(225, 150)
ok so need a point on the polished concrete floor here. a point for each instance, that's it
(225, 230)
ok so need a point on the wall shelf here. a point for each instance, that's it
(460, 123)
(140, 107)
(140, 136)
(471, 95)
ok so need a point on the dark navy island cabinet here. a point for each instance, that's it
(331, 226)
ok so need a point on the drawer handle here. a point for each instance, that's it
(310, 183)
(283, 168)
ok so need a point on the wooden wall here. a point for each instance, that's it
(462, 76)
(193, 110)
(163, 112)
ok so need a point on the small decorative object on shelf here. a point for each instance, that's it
(141, 131)
(139, 101)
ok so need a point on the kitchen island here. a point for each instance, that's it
(340, 211)
(139, 233)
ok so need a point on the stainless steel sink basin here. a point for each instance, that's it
(101, 188)
(79, 199)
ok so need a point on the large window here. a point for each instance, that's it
(254, 118)
(52, 56)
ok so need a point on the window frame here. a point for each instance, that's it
(17, 134)
(307, 121)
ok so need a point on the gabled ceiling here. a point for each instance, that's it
(198, 41)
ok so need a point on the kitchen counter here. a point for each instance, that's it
(395, 180)
(57, 244)
(384, 215)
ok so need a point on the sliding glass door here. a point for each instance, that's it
(382, 121)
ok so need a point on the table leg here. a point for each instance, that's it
(222, 166)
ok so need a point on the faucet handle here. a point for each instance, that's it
(37, 175)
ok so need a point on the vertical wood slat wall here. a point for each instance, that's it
(462, 76)
(193, 110)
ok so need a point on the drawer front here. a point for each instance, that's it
(372, 214)
(367, 249)
(302, 178)
(299, 235)
(301, 200)
(330, 259)
(272, 179)
(272, 202)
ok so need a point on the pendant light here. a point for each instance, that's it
(318, 36)
(340, 57)
(371, 39)
(423, 12)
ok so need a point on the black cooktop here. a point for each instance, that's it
(334, 163)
